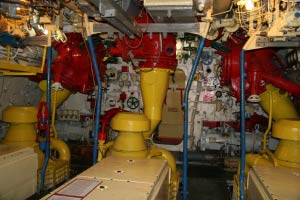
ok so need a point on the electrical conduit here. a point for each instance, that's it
(186, 116)
(243, 123)
(98, 100)
(48, 100)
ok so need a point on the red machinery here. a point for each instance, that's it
(151, 50)
(73, 67)
(260, 69)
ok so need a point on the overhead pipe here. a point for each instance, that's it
(98, 100)
(48, 101)
(243, 123)
(186, 116)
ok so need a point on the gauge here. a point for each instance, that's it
(133, 102)
(124, 76)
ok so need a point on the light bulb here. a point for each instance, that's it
(45, 31)
(249, 5)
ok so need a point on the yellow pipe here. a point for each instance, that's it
(53, 115)
(284, 106)
(273, 158)
(157, 152)
(265, 150)
(154, 87)
(44, 59)
(103, 147)
(58, 98)
(264, 146)
(62, 148)
(160, 153)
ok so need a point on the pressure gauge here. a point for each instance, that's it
(124, 76)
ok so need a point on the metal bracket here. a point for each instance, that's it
(117, 17)
(89, 9)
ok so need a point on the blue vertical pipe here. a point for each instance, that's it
(186, 117)
(243, 123)
(48, 96)
(98, 100)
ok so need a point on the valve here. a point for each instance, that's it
(133, 102)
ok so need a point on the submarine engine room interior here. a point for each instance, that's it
(149, 99)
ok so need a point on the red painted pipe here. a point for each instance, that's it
(282, 84)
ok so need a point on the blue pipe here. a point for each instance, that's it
(243, 124)
(48, 100)
(98, 100)
(186, 117)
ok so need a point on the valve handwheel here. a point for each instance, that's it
(133, 102)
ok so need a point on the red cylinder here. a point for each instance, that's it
(73, 67)
(260, 70)
(151, 50)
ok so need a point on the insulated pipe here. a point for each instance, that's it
(186, 116)
(243, 123)
(99, 97)
(47, 146)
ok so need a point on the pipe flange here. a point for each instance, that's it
(288, 129)
(20, 114)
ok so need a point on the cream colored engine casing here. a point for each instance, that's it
(18, 167)
(117, 178)
(273, 183)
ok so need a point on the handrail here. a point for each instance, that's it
(186, 116)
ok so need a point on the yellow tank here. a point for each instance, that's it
(22, 131)
(130, 141)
